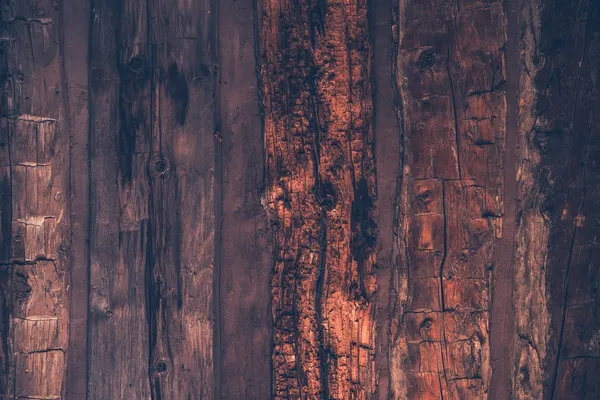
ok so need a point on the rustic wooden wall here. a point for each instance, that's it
(299, 199)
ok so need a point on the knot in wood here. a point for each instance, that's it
(136, 65)
(161, 367)
(426, 324)
(159, 167)
(427, 59)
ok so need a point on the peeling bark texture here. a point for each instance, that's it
(320, 196)
(299, 199)
(556, 297)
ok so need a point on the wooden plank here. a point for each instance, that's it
(245, 332)
(389, 159)
(558, 190)
(35, 216)
(181, 199)
(74, 23)
(120, 87)
(450, 70)
(320, 196)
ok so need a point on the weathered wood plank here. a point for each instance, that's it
(450, 71)
(74, 22)
(245, 334)
(181, 199)
(389, 159)
(120, 87)
(558, 186)
(320, 196)
(35, 216)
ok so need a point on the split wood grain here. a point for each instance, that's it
(320, 196)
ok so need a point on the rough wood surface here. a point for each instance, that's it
(450, 72)
(320, 196)
(35, 214)
(152, 159)
(557, 352)
(301, 199)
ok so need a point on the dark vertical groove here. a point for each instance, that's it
(502, 315)
(91, 119)
(323, 350)
(218, 202)
(452, 89)
(444, 345)
(564, 303)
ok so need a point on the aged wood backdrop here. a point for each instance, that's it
(299, 199)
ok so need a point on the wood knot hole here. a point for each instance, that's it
(427, 59)
(161, 367)
(136, 64)
(160, 167)
(426, 324)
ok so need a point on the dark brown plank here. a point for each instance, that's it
(120, 132)
(245, 264)
(73, 41)
(181, 199)
(558, 188)
(388, 156)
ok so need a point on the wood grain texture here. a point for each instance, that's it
(450, 72)
(389, 158)
(244, 199)
(245, 273)
(35, 213)
(152, 245)
(74, 22)
(556, 275)
(320, 196)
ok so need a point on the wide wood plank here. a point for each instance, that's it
(181, 199)
(450, 71)
(320, 197)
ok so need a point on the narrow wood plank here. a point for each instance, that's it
(245, 344)
(120, 83)
(181, 199)
(389, 164)
(73, 40)
(35, 221)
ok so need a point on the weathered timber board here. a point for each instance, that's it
(245, 257)
(320, 196)
(556, 297)
(450, 76)
(221, 199)
(152, 242)
(35, 213)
